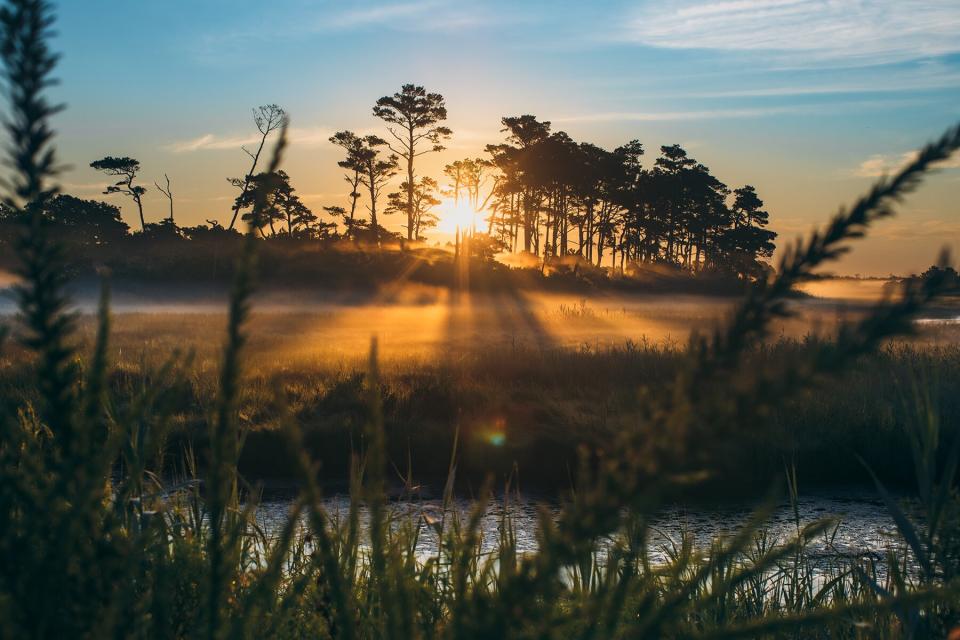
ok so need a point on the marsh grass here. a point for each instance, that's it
(95, 544)
(514, 405)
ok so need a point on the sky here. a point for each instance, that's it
(807, 100)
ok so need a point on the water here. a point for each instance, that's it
(863, 525)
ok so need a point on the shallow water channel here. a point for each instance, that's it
(863, 526)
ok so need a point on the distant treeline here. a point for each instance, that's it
(539, 192)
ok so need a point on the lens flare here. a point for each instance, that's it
(497, 434)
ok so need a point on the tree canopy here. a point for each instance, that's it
(413, 118)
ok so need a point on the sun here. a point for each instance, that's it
(456, 215)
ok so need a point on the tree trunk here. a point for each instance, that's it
(353, 201)
(246, 180)
(373, 208)
(589, 255)
(527, 231)
(143, 225)
(410, 185)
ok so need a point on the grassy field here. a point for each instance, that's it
(524, 386)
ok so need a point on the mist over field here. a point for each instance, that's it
(420, 322)
(431, 323)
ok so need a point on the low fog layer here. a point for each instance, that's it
(430, 322)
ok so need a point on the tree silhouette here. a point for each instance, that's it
(301, 221)
(168, 193)
(748, 240)
(748, 208)
(281, 206)
(670, 167)
(582, 199)
(415, 116)
(271, 187)
(455, 172)
(377, 172)
(424, 199)
(354, 146)
(87, 223)
(267, 118)
(525, 131)
(126, 169)
(165, 230)
(337, 213)
(604, 185)
(474, 177)
(518, 159)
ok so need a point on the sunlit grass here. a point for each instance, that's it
(515, 396)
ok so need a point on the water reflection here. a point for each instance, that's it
(864, 527)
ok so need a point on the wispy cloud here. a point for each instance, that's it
(809, 30)
(881, 164)
(318, 197)
(856, 106)
(426, 16)
(312, 137)
(229, 198)
(84, 187)
(909, 227)
(791, 225)
(725, 114)
(378, 14)
(209, 142)
(902, 85)
(668, 116)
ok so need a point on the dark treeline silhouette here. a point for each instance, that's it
(553, 196)
(946, 273)
(538, 192)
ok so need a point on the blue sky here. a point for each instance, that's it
(805, 99)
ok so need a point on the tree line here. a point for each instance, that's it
(554, 196)
(537, 191)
